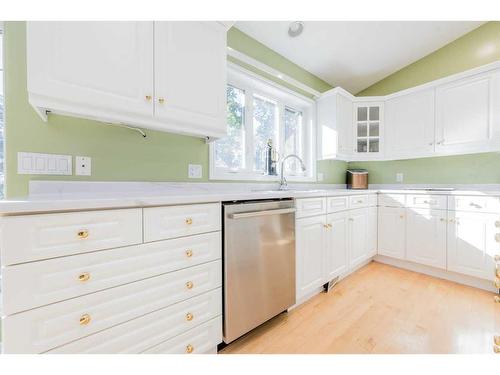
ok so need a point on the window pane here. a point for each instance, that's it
(293, 133)
(374, 113)
(374, 129)
(362, 145)
(362, 114)
(230, 151)
(374, 145)
(265, 127)
(362, 132)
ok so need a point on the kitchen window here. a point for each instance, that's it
(258, 111)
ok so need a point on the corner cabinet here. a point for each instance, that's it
(167, 76)
(368, 130)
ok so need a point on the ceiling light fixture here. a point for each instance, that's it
(295, 29)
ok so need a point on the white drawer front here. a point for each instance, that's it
(35, 237)
(336, 204)
(474, 204)
(151, 329)
(40, 283)
(358, 201)
(436, 202)
(199, 340)
(161, 223)
(310, 207)
(47, 327)
(391, 200)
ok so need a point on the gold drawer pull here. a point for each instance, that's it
(189, 221)
(85, 276)
(85, 319)
(325, 225)
(496, 299)
(189, 317)
(161, 100)
(148, 97)
(189, 285)
(330, 225)
(83, 234)
(189, 348)
(496, 340)
(189, 253)
(497, 283)
(496, 349)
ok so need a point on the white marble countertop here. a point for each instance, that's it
(49, 196)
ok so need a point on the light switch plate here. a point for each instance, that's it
(50, 164)
(83, 165)
(195, 171)
(399, 177)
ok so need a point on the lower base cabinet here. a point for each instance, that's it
(330, 245)
(473, 242)
(391, 232)
(426, 237)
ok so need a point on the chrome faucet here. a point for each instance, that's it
(283, 183)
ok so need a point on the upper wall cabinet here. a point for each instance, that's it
(167, 76)
(409, 125)
(465, 114)
(368, 130)
(335, 119)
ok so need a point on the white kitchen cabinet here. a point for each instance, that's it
(391, 232)
(311, 242)
(337, 244)
(467, 114)
(473, 242)
(372, 231)
(190, 74)
(409, 125)
(426, 237)
(167, 76)
(335, 119)
(90, 69)
(368, 130)
(358, 237)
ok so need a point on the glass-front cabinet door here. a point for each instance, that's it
(368, 128)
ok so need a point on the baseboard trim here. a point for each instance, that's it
(439, 273)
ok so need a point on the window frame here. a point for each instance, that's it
(252, 83)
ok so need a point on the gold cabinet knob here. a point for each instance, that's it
(84, 276)
(325, 225)
(189, 348)
(161, 100)
(189, 253)
(497, 283)
(189, 285)
(330, 226)
(189, 317)
(84, 233)
(496, 339)
(496, 348)
(148, 98)
(496, 299)
(189, 221)
(85, 319)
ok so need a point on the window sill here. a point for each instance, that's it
(222, 175)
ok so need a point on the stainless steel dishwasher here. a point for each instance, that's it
(259, 263)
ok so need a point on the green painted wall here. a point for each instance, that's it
(480, 46)
(117, 154)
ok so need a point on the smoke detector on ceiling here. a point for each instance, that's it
(295, 29)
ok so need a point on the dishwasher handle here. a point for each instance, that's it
(244, 215)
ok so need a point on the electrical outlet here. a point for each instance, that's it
(195, 171)
(83, 165)
(320, 176)
(399, 177)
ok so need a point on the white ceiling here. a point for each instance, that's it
(356, 54)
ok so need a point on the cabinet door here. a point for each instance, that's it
(372, 231)
(337, 245)
(358, 237)
(92, 68)
(310, 253)
(391, 232)
(409, 125)
(334, 113)
(473, 243)
(464, 112)
(368, 130)
(190, 76)
(426, 237)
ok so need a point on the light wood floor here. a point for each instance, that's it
(382, 309)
